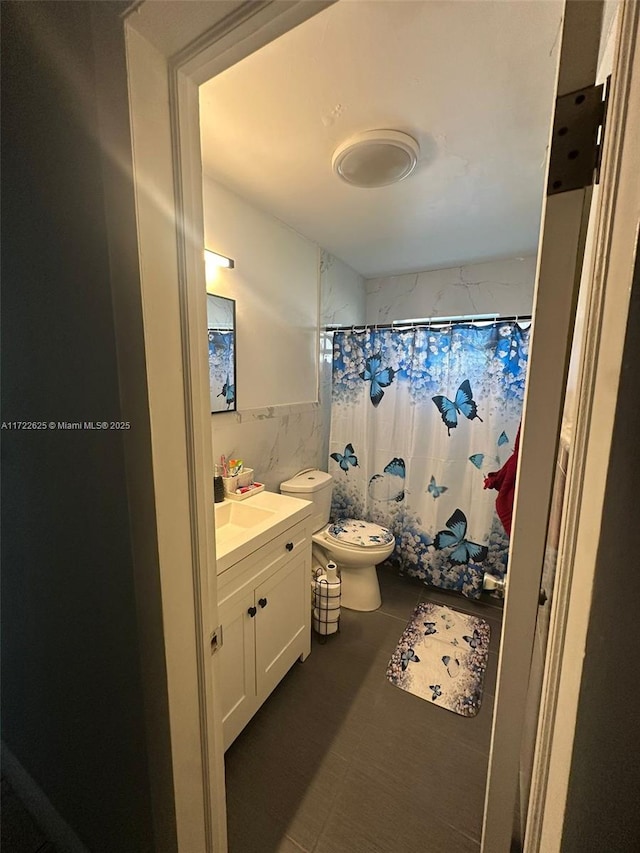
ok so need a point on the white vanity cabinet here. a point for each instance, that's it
(264, 611)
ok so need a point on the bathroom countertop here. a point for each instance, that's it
(244, 527)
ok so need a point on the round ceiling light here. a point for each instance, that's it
(376, 158)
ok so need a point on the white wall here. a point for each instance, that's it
(495, 287)
(276, 287)
(304, 288)
(343, 296)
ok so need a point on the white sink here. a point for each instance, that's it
(234, 518)
(243, 527)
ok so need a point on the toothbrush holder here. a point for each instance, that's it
(232, 484)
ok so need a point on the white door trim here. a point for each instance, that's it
(561, 251)
(163, 98)
(615, 247)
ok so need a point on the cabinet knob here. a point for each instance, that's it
(289, 546)
(262, 602)
(252, 611)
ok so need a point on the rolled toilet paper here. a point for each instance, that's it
(326, 595)
(324, 622)
(331, 572)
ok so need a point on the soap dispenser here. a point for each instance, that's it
(218, 490)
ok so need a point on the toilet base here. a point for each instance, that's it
(360, 588)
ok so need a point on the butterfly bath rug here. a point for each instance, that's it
(442, 657)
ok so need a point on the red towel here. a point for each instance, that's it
(504, 481)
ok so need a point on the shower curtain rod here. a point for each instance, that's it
(468, 319)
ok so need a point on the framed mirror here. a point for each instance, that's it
(221, 324)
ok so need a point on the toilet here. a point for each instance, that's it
(356, 546)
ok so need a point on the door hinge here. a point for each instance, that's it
(578, 137)
(215, 639)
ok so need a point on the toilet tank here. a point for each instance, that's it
(312, 485)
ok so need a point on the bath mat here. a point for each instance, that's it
(442, 657)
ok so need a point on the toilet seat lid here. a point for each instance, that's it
(352, 531)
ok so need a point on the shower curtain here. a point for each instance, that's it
(222, 383)
(419, 417)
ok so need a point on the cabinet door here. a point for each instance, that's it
(237, 661)
(282, 623)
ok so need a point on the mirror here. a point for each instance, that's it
(221, 323)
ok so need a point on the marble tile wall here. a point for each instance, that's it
(495, 287)
(279, 441)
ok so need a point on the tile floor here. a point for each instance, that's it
(338, 760)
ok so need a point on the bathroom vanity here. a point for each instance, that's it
(263, 558)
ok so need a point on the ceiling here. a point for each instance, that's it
(472, 82)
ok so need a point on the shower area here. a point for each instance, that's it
(421, 413)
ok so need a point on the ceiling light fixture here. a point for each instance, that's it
(376, 158)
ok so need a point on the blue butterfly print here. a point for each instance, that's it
(346, 459)
(380, 377)
(483, 462)
(437, 691)
(389, 486)
(407, 657)
(228, 392)
(475, 640)
(463, 403)
(503, 438)
(431, 628)
(470, 702)
(435, 490)
(452, 665)
(464, 551)
(508, 351)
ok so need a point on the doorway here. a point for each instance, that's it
(183, 91)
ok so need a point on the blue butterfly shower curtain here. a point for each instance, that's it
(419, 417)
(221, 369)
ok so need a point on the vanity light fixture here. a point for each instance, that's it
(376, 158)
(218, 260)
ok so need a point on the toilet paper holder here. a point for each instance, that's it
(326, 601)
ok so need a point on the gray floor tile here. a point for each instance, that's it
(308, 771)
(491, 675)
(322, 700)
(373, 629)
(317, 801)
(252, 830)
(415, 714)
(427, 768)
(292, 794)
(288, 845)
(399, 595)
(372, 817)
(488, 607)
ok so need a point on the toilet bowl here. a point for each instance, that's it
(356, 546)
(357, 562)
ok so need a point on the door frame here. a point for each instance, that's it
(610, 278)
(164, 76)
(172, 48)
(608, 284)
